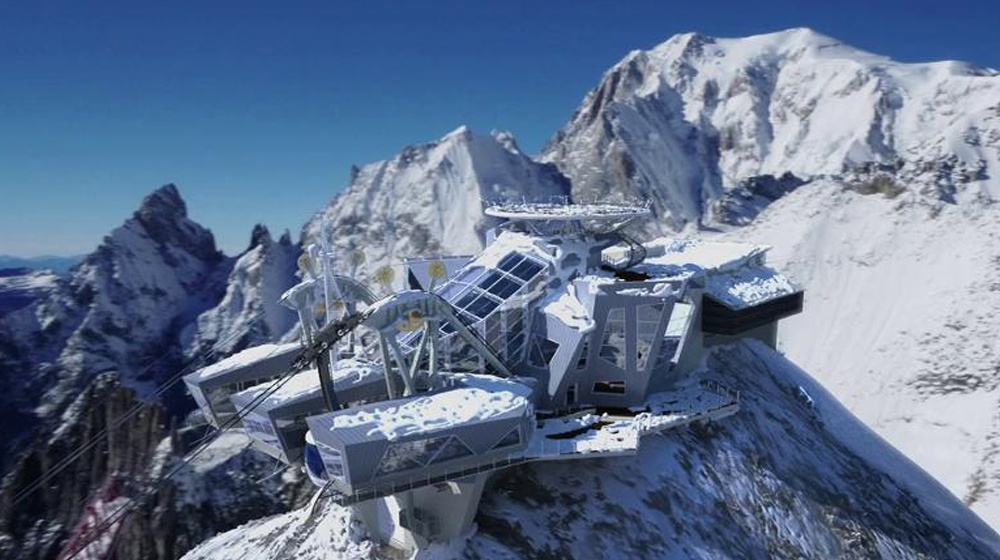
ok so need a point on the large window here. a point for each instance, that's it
(455, 448)
(219, 399)
(542, 351)
(477, 292)
(512, 438)
(409, 454)
(514, 327)
(260, 428)
(613, 341)
(680, 318)
(647, 320)
(581, 361)
(406, 455)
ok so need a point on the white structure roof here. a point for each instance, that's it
(749, 286)
(549, 212)
(668, 257)
(347, 372)
(479, 398)
(243, 359)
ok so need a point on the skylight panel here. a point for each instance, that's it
(526, 270)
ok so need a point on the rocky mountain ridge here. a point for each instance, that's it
(685, 122)
(429, 199)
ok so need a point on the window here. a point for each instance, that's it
(314, 461)
(677, 325)
(260, 428)
(520, 266)
(679, 316)
(410, 454)
(482, 306)
(453, 449)
(477, 293)
(613, 342)
(571, 395)
(647, 319)
(511, 439)
(542, 351)
(668, 350)
(526, 270)
(219, 399)
(581, 362)
(610, 387)
(514, 323)
(332, 459)
(504, 287)
(492, 330)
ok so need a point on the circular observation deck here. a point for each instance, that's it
(555, 212)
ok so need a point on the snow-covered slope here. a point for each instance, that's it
(58, 265)
(901, 319)
(154, 290)
(21, 286)
(249, 313)
(687, 120)
(792, 475)
(428, 200)
(900, 308)
(146, 279)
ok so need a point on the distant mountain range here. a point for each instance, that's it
(59, 265)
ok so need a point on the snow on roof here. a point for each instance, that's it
(553, 211)
(564, 305)
(243, 359)
(669, 257)
(596, 279)
(506, 243)
(480, 398)
(749, 286)
(346, 372)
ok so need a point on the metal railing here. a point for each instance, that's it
(394, 487)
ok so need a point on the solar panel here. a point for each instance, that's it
(526, 270)
(482, 306)
(467, 299)
(504, 288)
(477, 291)
(509, 261)
(489, 279)
(469, 276)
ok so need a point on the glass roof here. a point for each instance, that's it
(477, 291)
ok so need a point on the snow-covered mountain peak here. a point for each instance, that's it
(164, 200)
(695, 117)
(462, 132)
(507, 140)
(260, 235)
(429, 198)
(121, 308)
(249, 312)
(163, 216)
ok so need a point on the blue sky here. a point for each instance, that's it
(256, 110)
